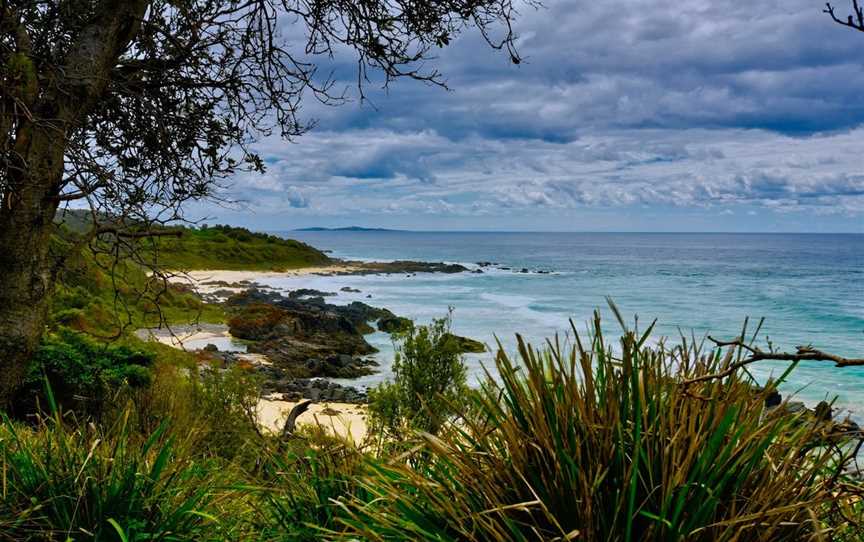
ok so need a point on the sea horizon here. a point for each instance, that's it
(372, 230)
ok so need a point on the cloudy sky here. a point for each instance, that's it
(639, 115)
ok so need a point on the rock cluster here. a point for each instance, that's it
(822, 414)
(315, 389)
(305, 337)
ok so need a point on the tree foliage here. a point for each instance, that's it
(158, 100)
(429, 383)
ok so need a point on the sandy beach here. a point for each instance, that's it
(341, 419)
(346, 420)
(180, 335)
(211, 280)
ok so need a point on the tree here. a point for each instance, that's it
(136, 107)
(429, 383)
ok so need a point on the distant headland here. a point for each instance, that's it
(349, 228)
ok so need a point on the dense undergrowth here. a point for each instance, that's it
(598, 440)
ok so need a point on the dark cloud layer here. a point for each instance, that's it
(729, 107)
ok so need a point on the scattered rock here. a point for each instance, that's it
(211, 348)
(349, 289)
(295, 389)
(467, 345)
(308, 292)
(394, 324)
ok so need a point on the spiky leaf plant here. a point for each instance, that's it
(607, 442)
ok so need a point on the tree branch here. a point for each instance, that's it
(803, 353)
(137, 234)
(850, 21)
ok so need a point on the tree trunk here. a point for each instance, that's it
(26, 224)
(34, 176)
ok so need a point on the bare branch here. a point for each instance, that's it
(803, 353)
(856, 22)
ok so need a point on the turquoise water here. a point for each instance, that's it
(807, 287)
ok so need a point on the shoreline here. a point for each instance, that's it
(344, 420)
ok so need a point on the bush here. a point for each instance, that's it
(607, 443)
(84, 374)
(428, 386)
(214, 410)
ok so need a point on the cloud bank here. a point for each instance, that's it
(720, 115)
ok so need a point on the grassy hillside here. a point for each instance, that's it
(226, 247)
(91, 297)
(215, 247)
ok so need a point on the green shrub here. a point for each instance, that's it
(428, 386)
(83, 373)
(214, 410)
(605, 442)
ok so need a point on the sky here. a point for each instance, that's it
(685, 115)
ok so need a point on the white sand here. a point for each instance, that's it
(179, 339)
(198, 278)
(341, 419)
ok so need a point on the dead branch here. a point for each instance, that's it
(291, 421)
(856, 22)
(803, 353)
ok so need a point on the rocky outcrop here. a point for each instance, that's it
(308, 293)
(394, 324)
(466, 345)
(306, 337)
(402, 267)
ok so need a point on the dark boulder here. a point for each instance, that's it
(466, 345)
(394, 324)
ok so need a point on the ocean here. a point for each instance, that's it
(808, 288)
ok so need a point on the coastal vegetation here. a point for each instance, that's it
(227, 247)
(429, 385)
(597, 439)
(138, 108)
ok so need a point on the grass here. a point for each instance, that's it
(226, 247)
(95, 296)
(594, 440)
(107, 297)
(102, 483)
(603, 442)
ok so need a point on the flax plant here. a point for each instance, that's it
(602, 443)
